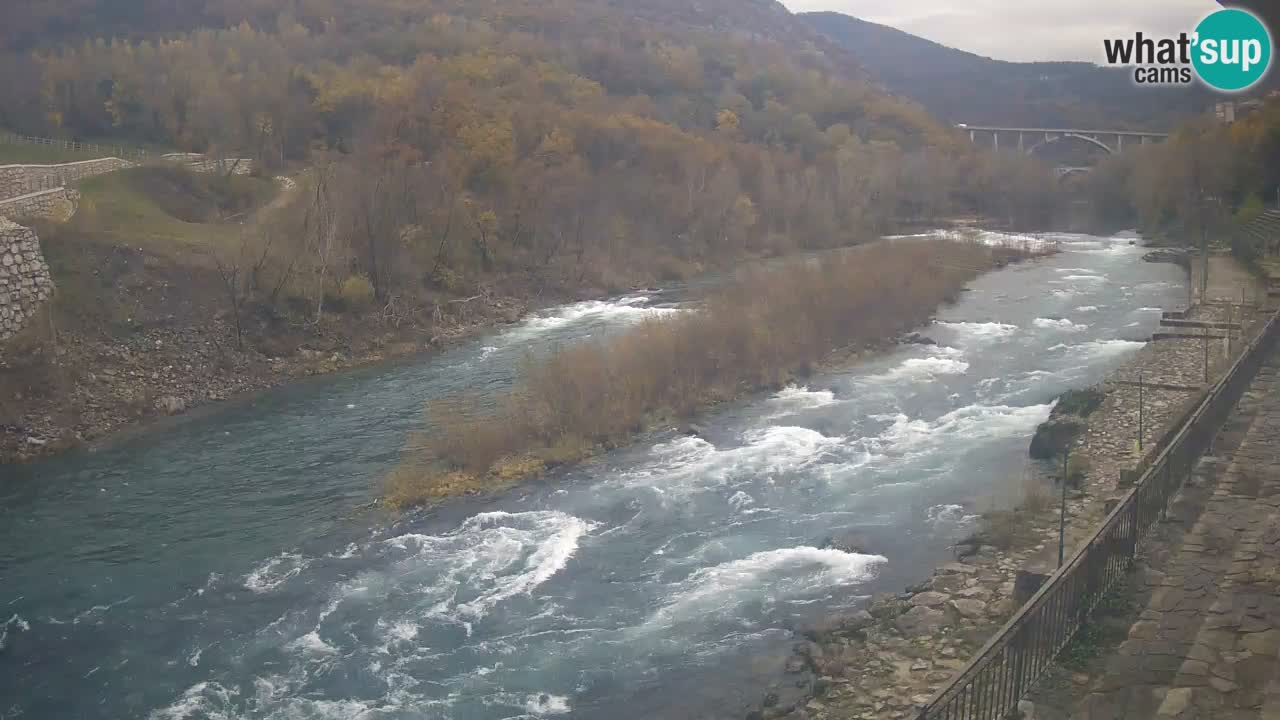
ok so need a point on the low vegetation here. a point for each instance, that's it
(761, 330)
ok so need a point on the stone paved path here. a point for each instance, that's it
(1208, 643)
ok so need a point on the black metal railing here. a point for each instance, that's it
(1019, 654)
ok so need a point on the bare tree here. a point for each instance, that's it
(320, 230)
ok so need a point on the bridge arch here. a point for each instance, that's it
(1074, 136)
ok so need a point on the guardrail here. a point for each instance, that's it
(116, 150)
(1011, 663)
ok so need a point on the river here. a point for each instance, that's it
(221, 568)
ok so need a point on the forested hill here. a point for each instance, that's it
(961, 87)
(455, 143)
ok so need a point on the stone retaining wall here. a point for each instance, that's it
(16, 180)
(57, 204)
(198, 162)
(25, 282)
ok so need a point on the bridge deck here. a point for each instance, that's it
(1123, 133)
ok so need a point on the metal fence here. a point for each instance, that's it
(1025, 648)
(119, 151)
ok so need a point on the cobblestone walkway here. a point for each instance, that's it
(1208, 643)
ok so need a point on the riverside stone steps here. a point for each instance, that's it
(1207, 645)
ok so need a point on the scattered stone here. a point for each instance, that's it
(1175, 701)
(170, 405)
(972, 609)
(838, 624)
(929, 599)
(920, 620)
(956, 568)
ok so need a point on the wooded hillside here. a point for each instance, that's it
(583, 140)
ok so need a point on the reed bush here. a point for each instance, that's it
(764, 327)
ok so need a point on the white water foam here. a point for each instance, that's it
(312, 644)
(980, 330)
(949, 516)
(1087, 308)
(804, 398)
(15, 621)
(492, 557)
(773, 574)
(1111, 348)
(917, 369)
(689, 464)
(275, 572)
(627, 309)
(547, 704)
(206, 700)
(1059, 324)
(907, 437)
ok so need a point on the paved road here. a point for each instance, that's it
(1207, 645)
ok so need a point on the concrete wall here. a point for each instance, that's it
(57, 204)
(25, 283)
(18, 180)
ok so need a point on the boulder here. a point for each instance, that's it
(930, 599)
(969, 608)
(1176, 256)
(850, 541)
(920, 620)
(1054, 436)
(841, 623)
(915, 338)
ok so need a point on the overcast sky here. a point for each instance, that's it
(1024, 29)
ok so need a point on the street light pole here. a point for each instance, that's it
(1141, 417)
(1062, 512)
(1206, 355)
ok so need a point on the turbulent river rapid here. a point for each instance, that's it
(222, 567)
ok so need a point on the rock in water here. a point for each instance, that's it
(1054, 436)
(850, 541)
(915, 338)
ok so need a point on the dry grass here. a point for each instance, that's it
(765, 327)
(1036, 496)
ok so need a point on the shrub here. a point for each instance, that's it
(1036, 497)
(356, 292)
(1078, 467)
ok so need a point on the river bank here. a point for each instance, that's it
(87, 385)
(887, 660)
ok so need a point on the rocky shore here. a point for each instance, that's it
(889, 659)
(90, 386)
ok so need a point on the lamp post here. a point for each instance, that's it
(1062, 511)
(1141, 417)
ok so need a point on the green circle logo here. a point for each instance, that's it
(1232, 50)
